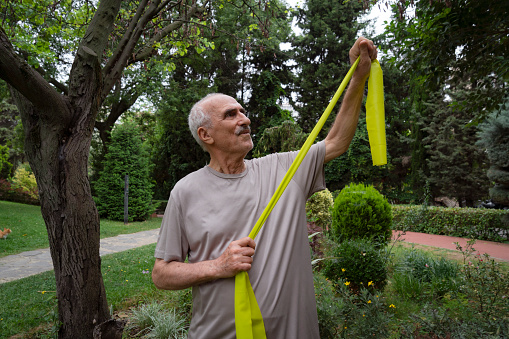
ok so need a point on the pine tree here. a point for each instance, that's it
(494, 137)
(457, 167)
(126, 156)
(329, 28)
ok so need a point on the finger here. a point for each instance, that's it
(246, 242)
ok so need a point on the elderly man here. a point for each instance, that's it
(211, 211)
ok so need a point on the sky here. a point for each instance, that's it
(379, 15)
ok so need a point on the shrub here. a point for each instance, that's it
(347, 314)
(5, 165)
(24, 179)
(479, 223)
(8, 193)
(318, 208)
(22, 188)
(359, 263)
(154, 321)
(126, 155)
(361, 212)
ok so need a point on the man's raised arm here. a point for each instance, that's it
(342, 131)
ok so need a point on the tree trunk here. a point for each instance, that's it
(58, 156)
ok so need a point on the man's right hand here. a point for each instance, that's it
(175, 275)
(236, 258)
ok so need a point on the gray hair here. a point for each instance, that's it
(199, 118)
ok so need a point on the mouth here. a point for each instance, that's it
(243, 130)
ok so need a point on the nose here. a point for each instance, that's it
(244, 120)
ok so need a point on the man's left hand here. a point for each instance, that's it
(368, 52)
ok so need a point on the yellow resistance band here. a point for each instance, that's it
(248, 318)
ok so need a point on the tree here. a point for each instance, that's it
(456, 166)
(126, 156)
(175, 153)
(105, 42)
(285, 137)
(449, 41)
(494, 137)
(329, 29)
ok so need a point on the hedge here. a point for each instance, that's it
(8, 193)
(478, 223)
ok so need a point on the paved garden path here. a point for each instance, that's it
(494, 249)
(25, 264)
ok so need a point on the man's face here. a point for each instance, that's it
(230, 129)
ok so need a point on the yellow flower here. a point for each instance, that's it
(370, 283)
(347, 283)
(392, 305)
(369, 301)
(342, 270)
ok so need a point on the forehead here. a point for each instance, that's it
(220, 103)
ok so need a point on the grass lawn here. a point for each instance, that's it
(29, 231)
(30, 303)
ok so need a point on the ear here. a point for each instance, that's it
(204, 135)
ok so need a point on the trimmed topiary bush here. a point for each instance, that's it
(361, 212)
(356, 263)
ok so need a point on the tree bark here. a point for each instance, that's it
(58, 131)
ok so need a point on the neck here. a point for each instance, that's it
(228, 166)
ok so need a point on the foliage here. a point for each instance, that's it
(126, 156)
(9, 192)
(356, 263)
(155, 321)
(361, 212)
(343, 313)
(329, 29)
(447, 42)
(478, 223)
(5, 165)
(447, 139)
(24, 179)
(287, 136)
(356, 164)
(494, 138)
(171, 160)
(484, 282)
(102, 51)
(318, 208)
(420, 275)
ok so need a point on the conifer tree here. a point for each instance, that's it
(494, 137)
(457, 167)
(329, 29)
(126, 156)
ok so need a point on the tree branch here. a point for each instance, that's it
(60, 86)
(115, 66)
(86, 63)
(28, 82)
(125, 50)
(149, 49)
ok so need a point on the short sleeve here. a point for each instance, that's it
(172, 243)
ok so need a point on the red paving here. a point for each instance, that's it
(494, 249)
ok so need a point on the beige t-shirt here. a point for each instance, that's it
(207, 210)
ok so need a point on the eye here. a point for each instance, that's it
(230, 114)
